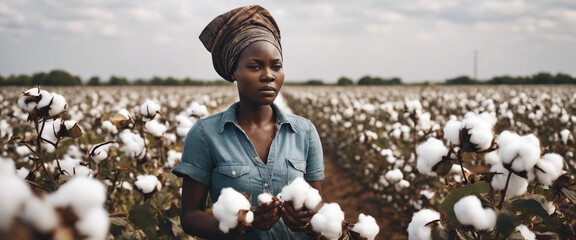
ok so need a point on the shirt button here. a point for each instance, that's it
(270, 160)
(265, 184)
(233, 172)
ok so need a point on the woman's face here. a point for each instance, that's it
(259, 73)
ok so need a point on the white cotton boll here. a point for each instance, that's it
(264, 198)
(197, 110)
(58, 105)
(313, 198)
(81, 193)
(226, 208)
(13, 194)
(328, 221)
(348, 113)
(403, 184)
(69, 124)
(133, 144)
(124, 112)
(366, 227)
(155, 128)
(109, 127)
(127, 186)
(549, 207)
(22, 172)
(469, 211)
(5, 129)
(83, 171)
(51, 129)
(94, 224)
(7, 167)
(147, 183)
(40, 214)
(68, 165)
(429, 154)
(565, 135)
(29, 107)
(45, 100)
(173, 158)
(394, 176)
(452, 132)
(427, 193)
(99, 152)
(523, 150)
(480, 132)
(417, 229)
(549, 168)
(296, 192)
(492, 158)
(517, 185)
(184, 125)
(149, 108)
(526, 233)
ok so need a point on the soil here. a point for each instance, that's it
(339, 186)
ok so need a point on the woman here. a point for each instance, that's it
(253, 146)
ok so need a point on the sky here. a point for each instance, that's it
(416, 40)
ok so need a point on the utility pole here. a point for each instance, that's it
(475, 65)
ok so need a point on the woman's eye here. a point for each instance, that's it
(277, 67)
(254, 67)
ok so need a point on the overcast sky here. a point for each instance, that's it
(414, 40)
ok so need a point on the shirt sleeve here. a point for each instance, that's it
(196, 162)
(315, 161)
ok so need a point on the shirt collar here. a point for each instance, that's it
(229, 116)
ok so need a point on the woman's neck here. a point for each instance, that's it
(254, 114)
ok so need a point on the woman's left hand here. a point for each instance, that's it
(266, 215)
(297, 220)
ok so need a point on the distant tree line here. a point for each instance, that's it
(539, 78)
(63, 78)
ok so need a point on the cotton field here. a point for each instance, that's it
(93, 162)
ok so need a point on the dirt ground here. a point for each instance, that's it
(340, 187)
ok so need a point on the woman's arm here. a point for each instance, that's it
(193, 219)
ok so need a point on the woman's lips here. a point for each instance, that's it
(267, 88)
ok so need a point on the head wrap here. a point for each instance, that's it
(228, 34)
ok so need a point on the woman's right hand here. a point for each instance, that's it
(266, 215)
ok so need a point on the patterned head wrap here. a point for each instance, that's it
(228, 34)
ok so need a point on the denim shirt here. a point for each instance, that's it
(219, 154)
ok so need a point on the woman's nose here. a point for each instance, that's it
(268, 75)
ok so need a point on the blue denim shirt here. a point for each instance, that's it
(219, 154)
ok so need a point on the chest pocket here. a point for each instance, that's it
(296, 168)
(234, 176)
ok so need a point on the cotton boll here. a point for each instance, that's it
(549, 168)
(81, 193)
(328, 221)
(313, 198)
(394, 176)
(173, 158)
(517, 185)
(264, 198)
(40, 214)
(521, 151)
(149, 108)
(82, 171)
(22, 172)
(226, 208)
(565, 136)
(418, 229)
(155, 128)
(429, 154)
(46, 97)
(526, 233)
(492, 158)
(549, 207)
(348, 113)
(13, 194)
(109, 127)
(366, 227)
(147, 183)
(94, 224)
(133, 144)
(183, 126)
(58, 105)
(480, 132)
(469, 211)
(297, 192)
(99, 152)
(197, 110)
(24, 101)
(51, 129)
(452, 132)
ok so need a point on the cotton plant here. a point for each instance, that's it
(475, 204)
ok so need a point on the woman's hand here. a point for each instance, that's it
(266, 215)
(297, 220)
